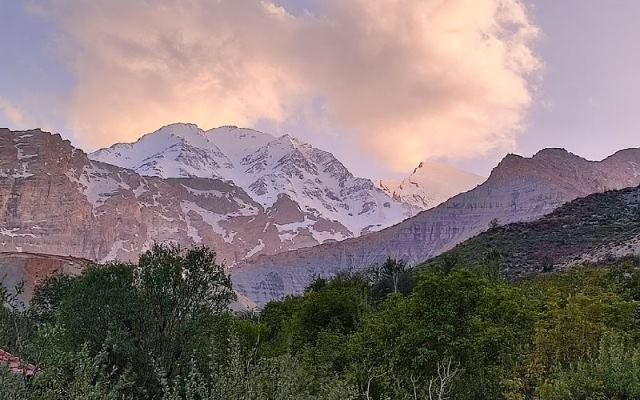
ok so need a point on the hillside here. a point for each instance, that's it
(518, 189)
(54, 199)
(593, 228)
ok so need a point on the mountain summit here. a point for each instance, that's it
(313, 192)
(430, 184)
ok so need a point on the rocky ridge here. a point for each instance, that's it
(518, 189)
(592, 229)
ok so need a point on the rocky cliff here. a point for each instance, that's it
(29, 270)
(55, 200)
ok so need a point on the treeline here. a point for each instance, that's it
(161, 329)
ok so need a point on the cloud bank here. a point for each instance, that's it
(410, 79)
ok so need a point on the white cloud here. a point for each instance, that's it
(412, 79)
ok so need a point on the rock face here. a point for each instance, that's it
(311, 195)
(519, 189)
(430, 184)
(31, 269)
(55, 200)
(592, 229)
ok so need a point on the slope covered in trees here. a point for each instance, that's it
(159, 329)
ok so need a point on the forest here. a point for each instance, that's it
(163, 329)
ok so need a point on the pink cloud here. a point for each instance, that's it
(411, 79)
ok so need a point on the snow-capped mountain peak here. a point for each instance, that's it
(321, 196)
(236, 143)
(430, 184)
(176, 150)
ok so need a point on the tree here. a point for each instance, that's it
(338, 306)
(480, 322)
(147, 321)
(15, 325)
(439, 388)
(612, 373)
(12, 387)
(393, 276)
(178, 290)
(48, 296)
(99, 303)
(494, 223)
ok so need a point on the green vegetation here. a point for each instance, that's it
(161, 330)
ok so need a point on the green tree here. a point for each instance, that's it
(613, 373)
(146, 321)
(101, 302)
(494, 223)
(480, 323)
(177, 292)
(393, 276)
(47, 297)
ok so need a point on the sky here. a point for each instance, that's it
(382, 85)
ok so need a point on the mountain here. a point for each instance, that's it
(430, 184)
(518, 189)
(307, 191)
(595, 228)
(55, 200)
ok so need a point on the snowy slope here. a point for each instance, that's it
(178, 150)
(309, 190)
(430, 184)
(63, 203)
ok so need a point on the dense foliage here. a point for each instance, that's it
(160, 329)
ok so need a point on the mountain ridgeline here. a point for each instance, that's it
(263, 195)
(55, 200)
(265, 204)
(313, 196)
(240, 191)
(519, 189)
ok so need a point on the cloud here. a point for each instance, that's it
(12, 114)
(408, 79)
